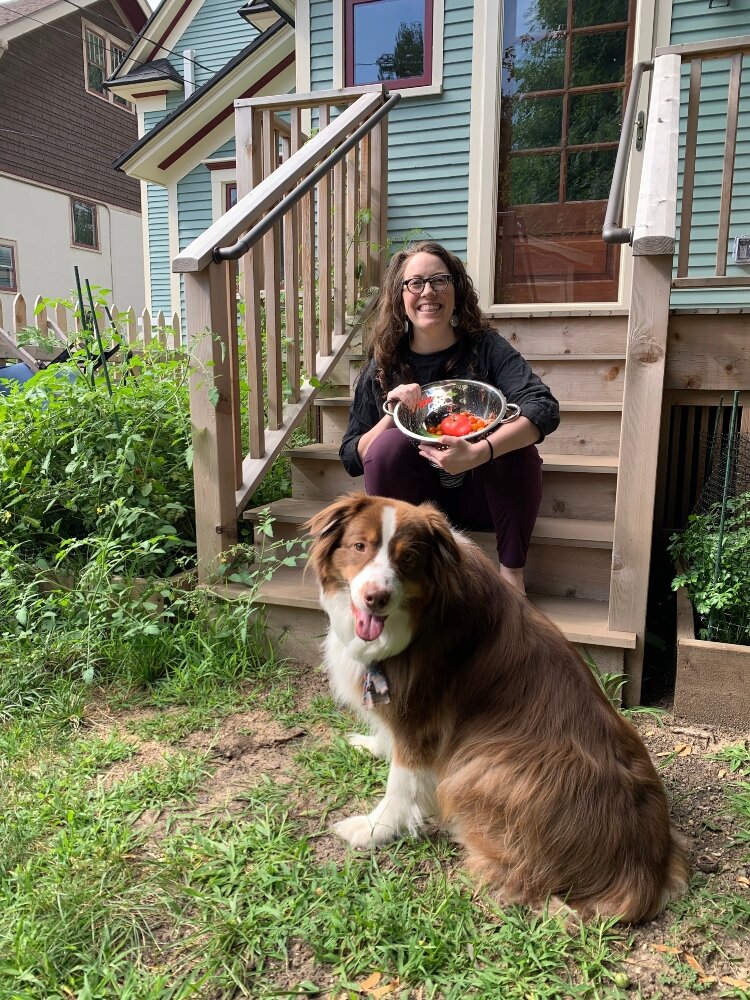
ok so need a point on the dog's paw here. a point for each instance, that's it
(372, 744)
(361, 832)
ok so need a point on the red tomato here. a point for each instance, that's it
(456, 425)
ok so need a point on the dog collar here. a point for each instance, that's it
(376, 691)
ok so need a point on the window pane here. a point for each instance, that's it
(530, 65)
(587, 12)
(595, 117)
(7, 268)
(388, 40)
(96, 63)
(590, 175)
(537, 122)
(534, 180)
(84, 224)
(598, 58)
(532, 17)
(117, 57)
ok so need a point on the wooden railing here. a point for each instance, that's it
(697, 55)
(300, 306)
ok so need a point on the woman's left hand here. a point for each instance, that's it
(455, 454)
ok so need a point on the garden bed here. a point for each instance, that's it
(713, 678)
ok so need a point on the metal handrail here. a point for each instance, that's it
(241, 247)
(612, 232)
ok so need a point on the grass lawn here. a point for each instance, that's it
(164, 834)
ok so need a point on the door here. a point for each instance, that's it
(565, 69)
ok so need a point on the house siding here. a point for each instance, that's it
(194, 211)
(158, 248)
(693, 22)
(428, 137)
(63, 136)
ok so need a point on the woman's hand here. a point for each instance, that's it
(455, 454)
(409, 394)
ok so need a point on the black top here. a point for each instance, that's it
(492, 360)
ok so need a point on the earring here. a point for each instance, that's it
(453, 321)
(406, 326)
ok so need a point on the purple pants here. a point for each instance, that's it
(501, 496)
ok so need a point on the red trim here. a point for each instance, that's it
(150, 93)
(230, 187)
(134, 13)
(221, 165)
(165, 34)
(223, 115)
(411, 81)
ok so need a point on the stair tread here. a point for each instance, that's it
(553, 463)
(573, 405)
(580, 620)
(585, 532)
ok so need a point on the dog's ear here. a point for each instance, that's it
(446, 554)
(327, 526)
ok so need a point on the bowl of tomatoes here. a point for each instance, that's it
(455, 408)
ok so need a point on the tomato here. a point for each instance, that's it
(456, 425)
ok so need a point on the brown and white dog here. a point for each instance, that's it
(495, 725)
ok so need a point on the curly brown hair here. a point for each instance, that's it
(388, 340)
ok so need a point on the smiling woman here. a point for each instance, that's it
(429, 327)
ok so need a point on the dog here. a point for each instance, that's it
(494, 724)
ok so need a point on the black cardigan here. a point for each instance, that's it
(493, 361)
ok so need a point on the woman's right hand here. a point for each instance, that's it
(408, 394)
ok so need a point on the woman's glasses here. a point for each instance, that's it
(438, 283)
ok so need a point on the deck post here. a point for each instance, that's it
(209, 326)
(653, 251)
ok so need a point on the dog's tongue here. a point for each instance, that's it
(368, 626)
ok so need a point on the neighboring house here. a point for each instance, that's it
(61, 201)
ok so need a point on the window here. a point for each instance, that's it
(102, 54)
(389, 42)
(230, 195)
(85, 227)
(8, 274)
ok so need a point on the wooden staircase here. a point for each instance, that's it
(568, 572)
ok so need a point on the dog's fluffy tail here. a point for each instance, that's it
(638, 899)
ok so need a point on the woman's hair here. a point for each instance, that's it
(388, 341)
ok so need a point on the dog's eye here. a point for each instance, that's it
(359, 546)
(407, 558)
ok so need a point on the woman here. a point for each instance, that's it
(429, 327)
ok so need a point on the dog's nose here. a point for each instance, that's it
(375, 598)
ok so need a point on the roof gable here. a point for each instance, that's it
(18, 17)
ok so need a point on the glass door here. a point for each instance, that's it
(565, 69)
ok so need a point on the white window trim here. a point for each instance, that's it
(14, 250)
(219, 181)
(84, 246)
(109, 41)
(438, 24)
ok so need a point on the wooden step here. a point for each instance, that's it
(559, 334)
(585, 427)
(556, 545)
(294, 512)
(297, 626)
(317, 474)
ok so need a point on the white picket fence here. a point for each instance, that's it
(136, 331)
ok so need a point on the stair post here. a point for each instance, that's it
(653, 250)
(211, 312)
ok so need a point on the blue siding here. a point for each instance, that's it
(194, 209)
(693, 22)
(428, 137)
(158, 246)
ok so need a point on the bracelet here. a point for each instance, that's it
(492, 450)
